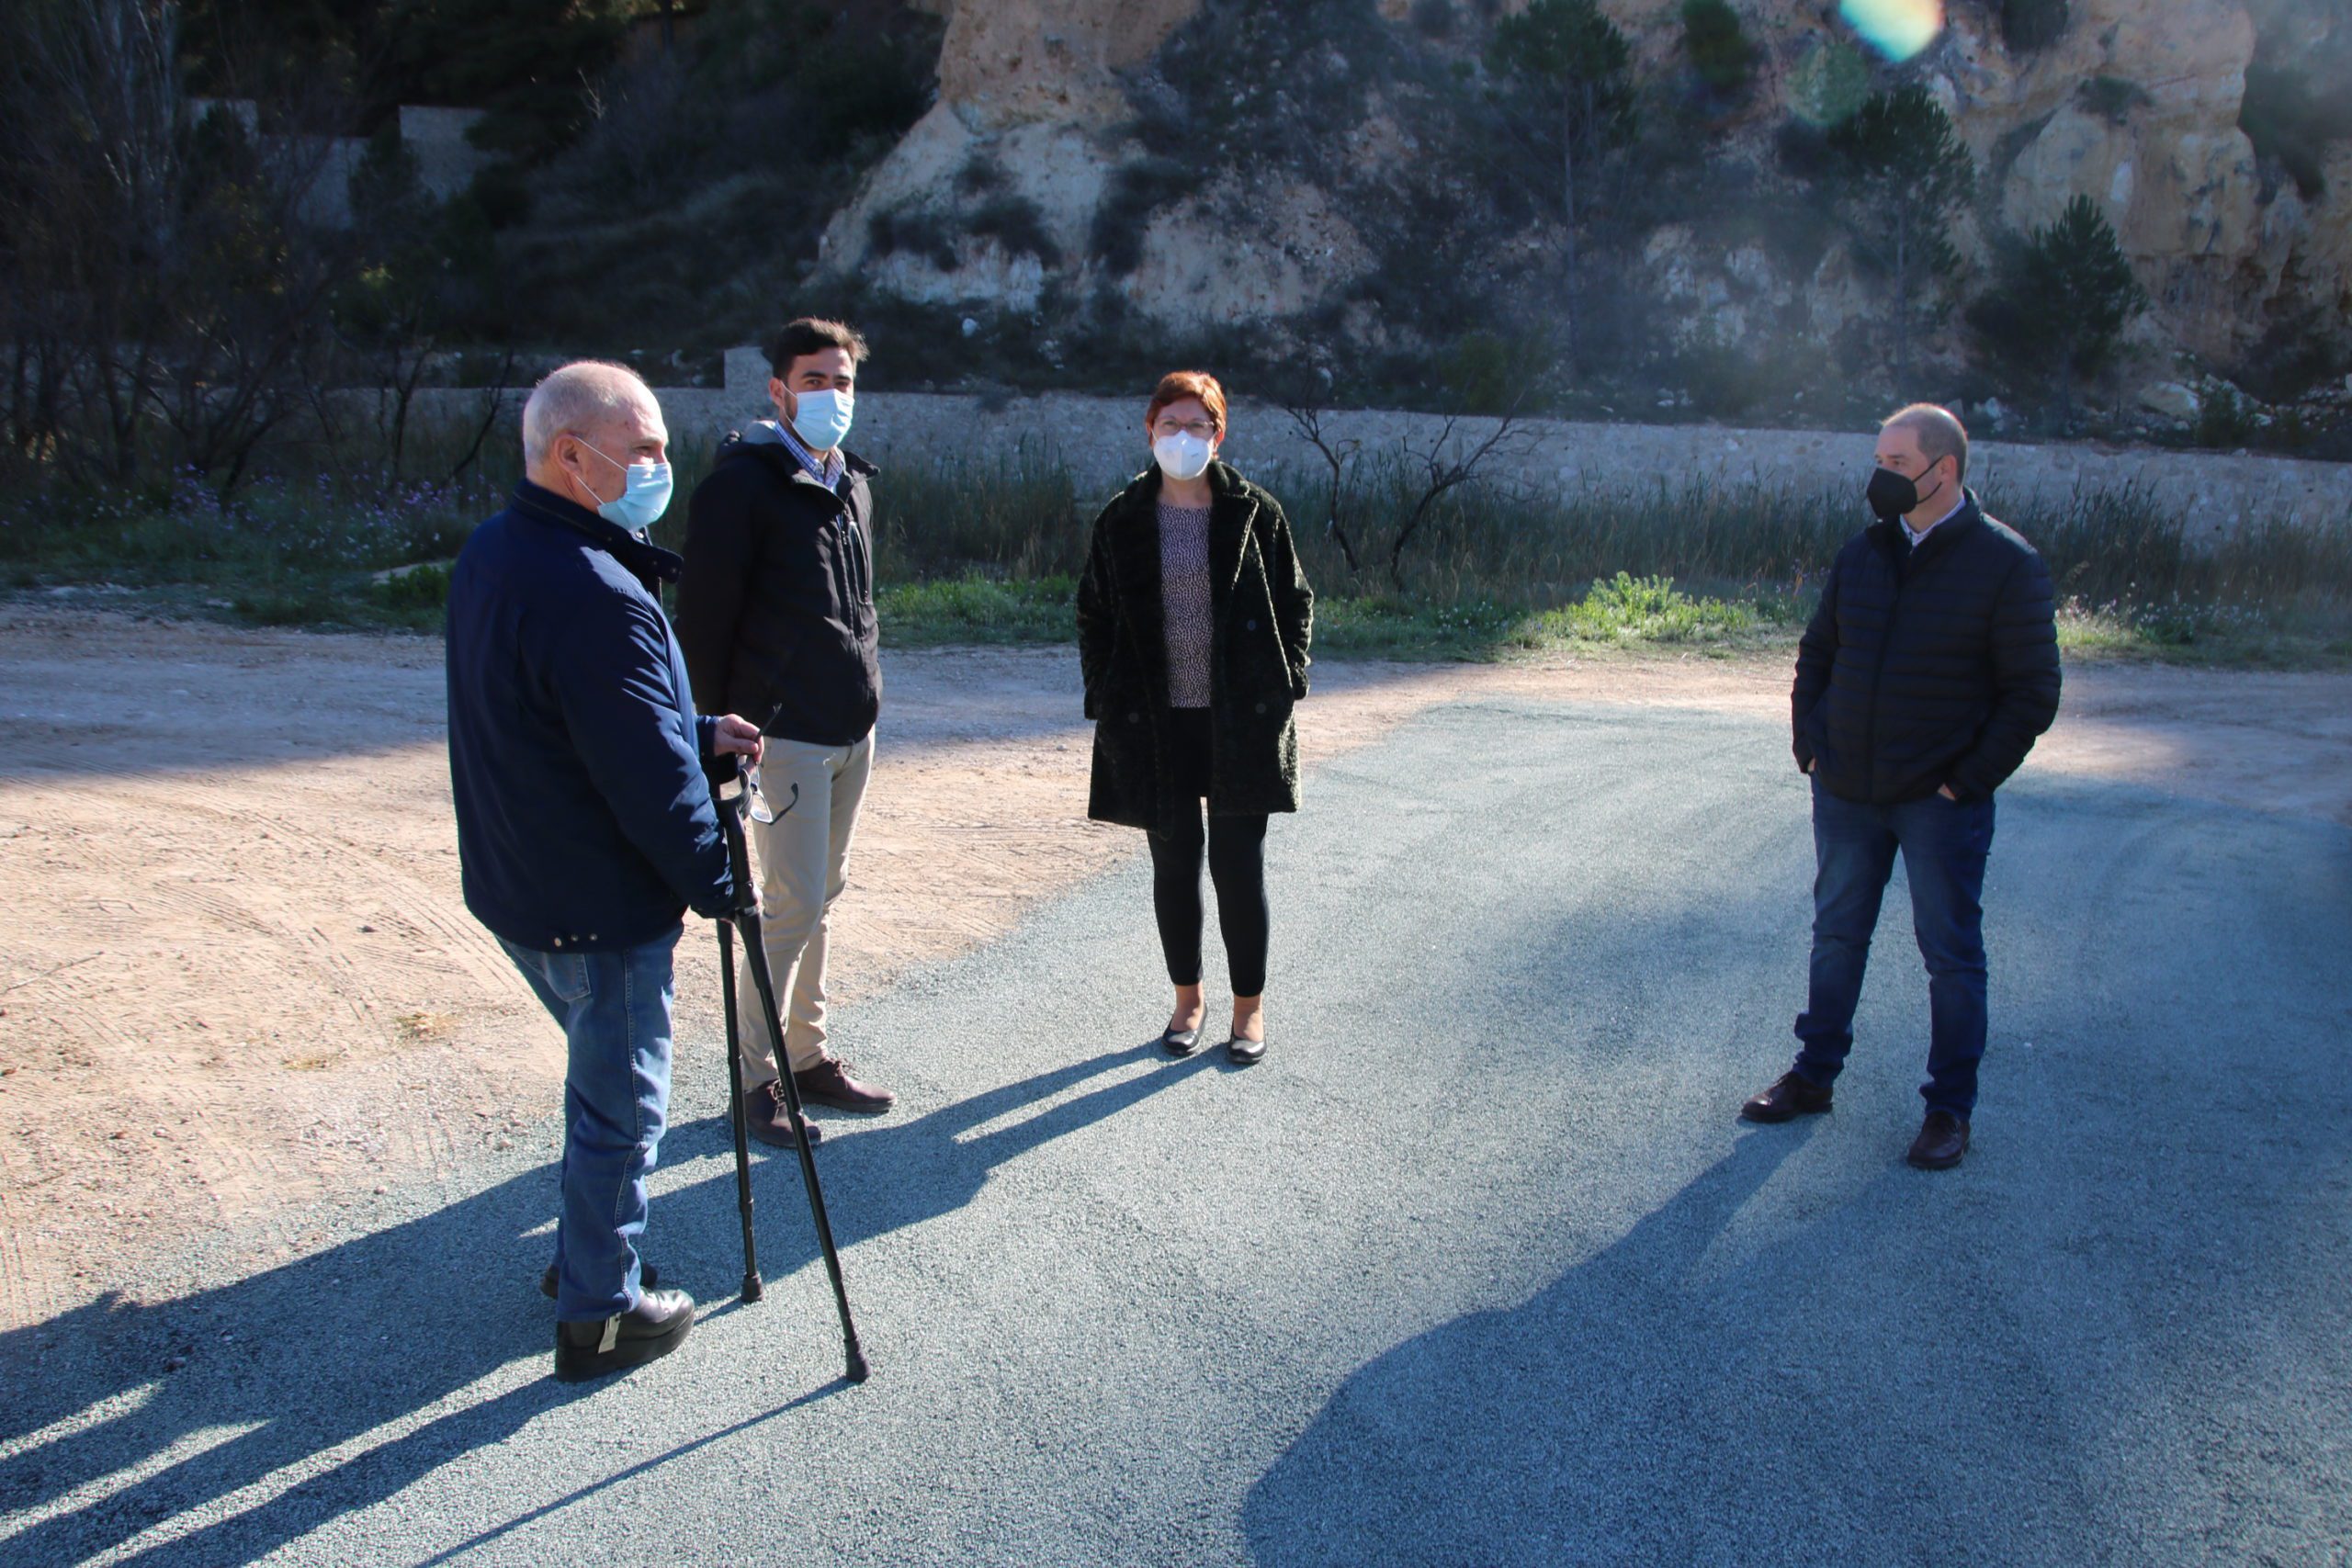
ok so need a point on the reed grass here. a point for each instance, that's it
(986, 551)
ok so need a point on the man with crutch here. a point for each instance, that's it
(585, 825)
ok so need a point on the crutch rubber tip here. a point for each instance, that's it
(753, 1289)
(858, 1370)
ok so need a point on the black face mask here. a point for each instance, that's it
(1891, 494)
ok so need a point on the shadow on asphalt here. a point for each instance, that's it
(288, 1365)
(1458, 1446)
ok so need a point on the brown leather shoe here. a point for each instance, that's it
(766, 1118)
(1791, 1096)
(1942, 1139)
(829, 1084)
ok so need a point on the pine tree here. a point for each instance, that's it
(1718, 47)
(2065, 298)
(1904, 170)
(1570, 53)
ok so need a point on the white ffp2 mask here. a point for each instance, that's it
(1181, 457)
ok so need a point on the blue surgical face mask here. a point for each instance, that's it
(823, 417)
(643, 500)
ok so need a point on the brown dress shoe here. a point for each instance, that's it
(766, 1118)
(1942, 1139)
(1791, 1096)
(829, 1084)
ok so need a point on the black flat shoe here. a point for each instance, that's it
(1179, 1042)
(654, 1327)
(648, 1276)
(1244, 1051)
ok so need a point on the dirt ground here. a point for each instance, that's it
(236, 977)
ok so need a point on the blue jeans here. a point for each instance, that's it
(615, 1008)
(1944, 844)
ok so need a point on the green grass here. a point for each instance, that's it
(2212, 636)
(288, 549)
(1622, 613)
(977, 610)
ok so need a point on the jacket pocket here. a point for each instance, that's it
(767, 690)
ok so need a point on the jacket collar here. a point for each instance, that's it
(767, 437)
(1232, 513)
(641, 556)
(1891, 538)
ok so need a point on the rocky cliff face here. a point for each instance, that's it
(1050, 179)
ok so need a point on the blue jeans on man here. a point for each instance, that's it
(1944, 844)
(615, 1008)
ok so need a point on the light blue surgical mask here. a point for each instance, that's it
(643, 501)
(823, 417)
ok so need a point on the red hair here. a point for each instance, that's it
(1178, 385)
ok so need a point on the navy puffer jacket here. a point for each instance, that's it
(1928, 667)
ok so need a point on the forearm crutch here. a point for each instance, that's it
(745, 921)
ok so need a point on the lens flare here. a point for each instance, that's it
(1896, 28)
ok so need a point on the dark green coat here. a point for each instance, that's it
(1263, 614)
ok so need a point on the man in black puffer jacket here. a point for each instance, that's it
(775, 613)
(1922, 682)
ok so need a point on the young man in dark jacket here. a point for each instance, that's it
(775, 610)
(1922, 682)
(585, 827)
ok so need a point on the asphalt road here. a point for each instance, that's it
(1477, 1268)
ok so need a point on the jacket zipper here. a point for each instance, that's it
(847, 556)
(1878, 678)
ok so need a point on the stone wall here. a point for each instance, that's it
(1102, 441)
(445, 161)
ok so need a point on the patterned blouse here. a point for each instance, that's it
(1184, 597)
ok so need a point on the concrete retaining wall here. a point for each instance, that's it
(1102, 441)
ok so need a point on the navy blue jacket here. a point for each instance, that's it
(584, 819)
(1929, 666)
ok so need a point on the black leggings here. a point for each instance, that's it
(1237, 857)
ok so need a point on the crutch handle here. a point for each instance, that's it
(724, 771)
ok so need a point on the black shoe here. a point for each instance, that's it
(1942, 1139)
(648, 1276)
(1179, 1042)
(1791, 1096)
(1243, 1052)
(654, 1328)
(767, 1119)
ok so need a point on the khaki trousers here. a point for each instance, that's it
(814, 791)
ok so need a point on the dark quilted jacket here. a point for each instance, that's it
(1263, 614)
(1929, 667)
(775, 604)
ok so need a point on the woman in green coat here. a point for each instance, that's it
(1193, 620)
